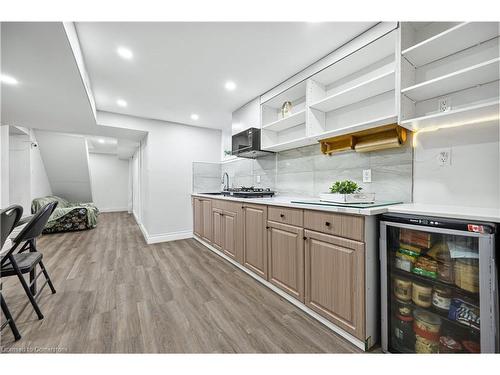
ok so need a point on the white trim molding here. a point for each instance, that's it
(163, 237)
(115, 209)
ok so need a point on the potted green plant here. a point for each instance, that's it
(347, 191)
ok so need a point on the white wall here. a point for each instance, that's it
(66, 161)
(110, 183)
(166, 158)
(4, 166)
(136, 208)
(472, 179)
(40, 185)
(27, 176)
(19, 171)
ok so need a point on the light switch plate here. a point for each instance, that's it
(367, 175)
(257, 179)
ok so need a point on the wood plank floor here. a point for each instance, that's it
(115, 294)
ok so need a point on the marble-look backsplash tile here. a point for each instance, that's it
(306, 172)
(206, 177)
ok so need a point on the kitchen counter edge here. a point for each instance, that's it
(286, 202)
(452, 212)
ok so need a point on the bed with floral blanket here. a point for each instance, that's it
(67, 216)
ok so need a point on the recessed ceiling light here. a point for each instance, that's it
(100, 140)
(194, 117)
(124, 53)
(121, 103)
(8, 79)
(230, 85)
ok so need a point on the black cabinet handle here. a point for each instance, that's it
(267, 227)
(305, 238)
(243, 207)
(282, 215)
(327, 223)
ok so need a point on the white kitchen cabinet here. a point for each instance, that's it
(357, 92)
(449, 73)
(247, 116)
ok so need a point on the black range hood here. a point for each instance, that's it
(247, 144)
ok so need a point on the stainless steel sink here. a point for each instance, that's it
(211, 193)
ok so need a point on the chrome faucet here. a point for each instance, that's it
(226, 187)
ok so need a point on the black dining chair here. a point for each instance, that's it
(9, 219)
(23, 261)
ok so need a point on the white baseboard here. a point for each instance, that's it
(113, 209)
(354, 340)
(136, 218)
(164, 237)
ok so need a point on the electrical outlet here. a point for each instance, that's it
(367, 175)
(444, 104)
(444, 157)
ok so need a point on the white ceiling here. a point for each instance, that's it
(50, 94)
(102, 145)
(180, 68)
(122, 148)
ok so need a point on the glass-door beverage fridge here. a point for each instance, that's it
(439, 285)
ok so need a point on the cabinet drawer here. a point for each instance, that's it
(291, 216)
(348, 226)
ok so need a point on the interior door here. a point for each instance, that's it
(255, 239)
(334, 280)
(286, 258)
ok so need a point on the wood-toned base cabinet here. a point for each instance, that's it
(227, 229)
(319, 258)
(334, 280)
(202, 218)
(286, 258)
(255, 238)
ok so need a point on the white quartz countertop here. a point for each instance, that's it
(454, 212)
(286, 201)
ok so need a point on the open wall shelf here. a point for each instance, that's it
(294, 143)
(372, 123)
(476, 113)
(418, 76)
(294, 119)
(361, 91)
(450, 73)
(459, 80)
(354, 93)
(450, 41)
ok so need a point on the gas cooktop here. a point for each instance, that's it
(248, 192)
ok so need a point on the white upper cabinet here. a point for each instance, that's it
(281, 131)
(356, 92)
(245, 117)
(449, 73)
(419, 75)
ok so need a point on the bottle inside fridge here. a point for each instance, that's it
(433, 286)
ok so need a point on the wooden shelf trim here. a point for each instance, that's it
(379, 138)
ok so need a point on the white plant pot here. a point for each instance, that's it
(348, 198)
